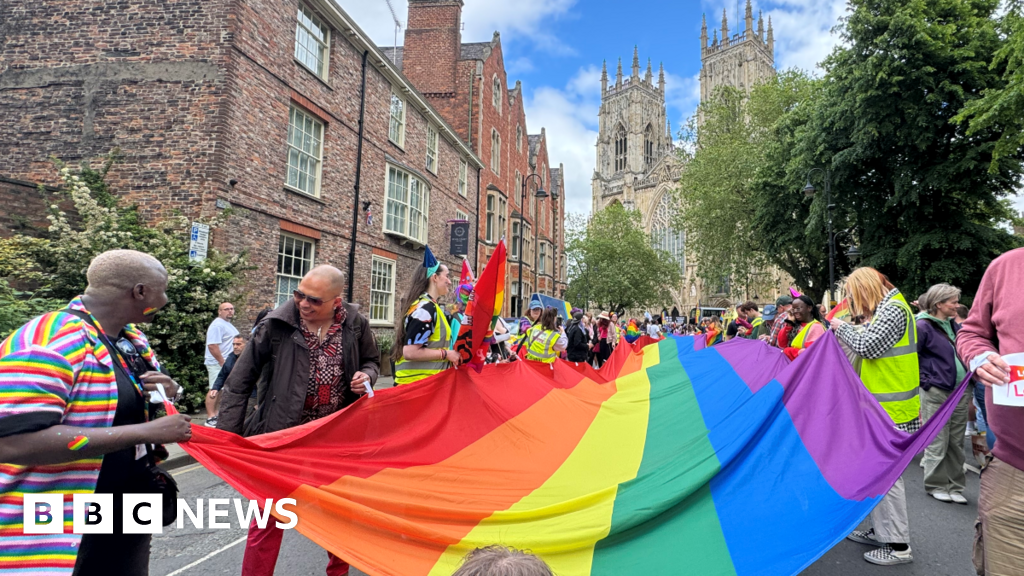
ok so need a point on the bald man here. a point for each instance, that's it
(74, 415)
(312, 356)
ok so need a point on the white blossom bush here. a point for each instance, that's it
(55, 266)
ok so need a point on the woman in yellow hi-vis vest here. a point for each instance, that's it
(544, 340)
(887, 344)
(808, 325)
(423, 336)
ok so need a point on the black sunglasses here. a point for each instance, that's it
(299, 297)
(131, 356)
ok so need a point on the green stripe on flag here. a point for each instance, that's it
(664, 521)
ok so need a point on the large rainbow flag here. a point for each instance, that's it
(674, 458)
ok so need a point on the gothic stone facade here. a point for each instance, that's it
(467, 83)
(248, 104)
(636, 165)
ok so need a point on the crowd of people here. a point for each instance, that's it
(315, 354)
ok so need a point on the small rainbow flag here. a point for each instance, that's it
(674, 458)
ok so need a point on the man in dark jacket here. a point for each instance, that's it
(579, 339)
(315, 355)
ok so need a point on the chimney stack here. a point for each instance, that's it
(433, 41)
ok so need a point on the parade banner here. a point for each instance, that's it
(673, 458)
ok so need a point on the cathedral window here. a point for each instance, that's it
(664, 236)
(649, 147)
(620, 149)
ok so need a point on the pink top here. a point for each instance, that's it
(996, 324)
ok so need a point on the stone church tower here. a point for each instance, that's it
(635, 163)
(741, 61)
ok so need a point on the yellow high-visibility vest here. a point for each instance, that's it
(540, 344)
(798, 342)
(407, 371)
(894, 378)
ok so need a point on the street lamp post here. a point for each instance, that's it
(809, 192)
(522, 232)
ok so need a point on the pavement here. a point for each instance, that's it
(941, 538)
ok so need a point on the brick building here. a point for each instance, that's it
(468, 85)
(282, 110)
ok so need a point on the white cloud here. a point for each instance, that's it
(522, 19)
(802, 28)
(569, 116)
(682, 94)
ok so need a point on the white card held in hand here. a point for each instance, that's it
(1011, 394)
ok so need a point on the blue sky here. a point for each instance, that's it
(556, 48)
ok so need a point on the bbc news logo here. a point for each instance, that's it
(143, 513)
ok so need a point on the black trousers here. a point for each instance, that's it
(113, 555)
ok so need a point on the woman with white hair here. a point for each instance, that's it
(941, 372)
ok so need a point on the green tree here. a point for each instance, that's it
(54, 265)
(1001, 109)
(924, 205)
(614, 264)
(742, 211)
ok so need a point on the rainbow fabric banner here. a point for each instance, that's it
(673, 458)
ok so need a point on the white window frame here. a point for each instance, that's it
(516, 234)
(312, 130)
(287, 280)
(431, 149)
(463, 178)
(403, 216)
(396, 124)
(382, 300)
(489, 218)
(460, 215)
(496, 90)
(306, 40)
(495, 151)
(542, 260)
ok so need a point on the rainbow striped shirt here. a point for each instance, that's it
(53, 370)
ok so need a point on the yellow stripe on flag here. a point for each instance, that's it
(563, 519)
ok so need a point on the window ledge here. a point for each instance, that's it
(382, 323)
(298, 192)
(403, 239)
(313, 72)
(396, 144)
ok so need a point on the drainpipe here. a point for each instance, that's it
(355, 203)
(469, 135)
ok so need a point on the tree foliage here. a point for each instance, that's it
(54, 267)
(614, 265)
(1001, 109)
(924, 204)
(915, 121)
(742, 211)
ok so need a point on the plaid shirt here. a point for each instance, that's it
(780, 321)
(884, 331)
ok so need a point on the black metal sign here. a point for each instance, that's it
(460, 239)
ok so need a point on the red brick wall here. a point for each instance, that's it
(433, 41)
(79, 77)
(215, 109)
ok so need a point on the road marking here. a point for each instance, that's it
(208, 556)
(183, 470)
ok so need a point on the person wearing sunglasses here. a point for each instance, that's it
(423, 335)
(312, 356)
(75, 415)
